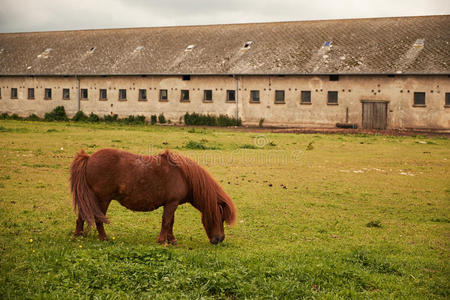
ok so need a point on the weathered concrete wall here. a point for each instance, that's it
(398, 91)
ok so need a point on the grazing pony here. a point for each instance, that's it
(144, 183)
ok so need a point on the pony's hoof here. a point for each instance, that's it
(102, 238)
(78, 233)
(173, 242)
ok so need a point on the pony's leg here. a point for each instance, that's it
(103, 205)
(166, 234)
(79, 227)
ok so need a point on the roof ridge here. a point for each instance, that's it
(230, 24)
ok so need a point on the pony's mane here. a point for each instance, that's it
(207, 193)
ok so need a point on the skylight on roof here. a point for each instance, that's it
(419, 43)
(45, 53)
(190, 47)
(327, 44)
(92, 49)
(138, 48)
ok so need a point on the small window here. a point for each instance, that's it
(0, 91)
(84, 94)
(186, 77)
(334, 77)
(163, 95)
(419, 99)
(332, 97)
(48, 94)
(207, 96)
(254, 96)
(66, 94)
(447, 99)
(305, 97)
(31, 93)
(231, 95)
(142, 95)
(122, 95)
(184, 96)
(103, 95)
(13, 93)
(279, 96)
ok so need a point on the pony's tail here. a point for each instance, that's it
(207, 193)
(84, 198)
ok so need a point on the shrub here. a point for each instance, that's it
(93, 118)
(261, 121)
(15, 117)
(134, 120)
(139, 120)
(153, 119)
(161, 119)
(224, 120)
(210, 120)
(129, 120)
(33, 117)
(79, 116)
(110, 118)
(57, 114)
(4, 116)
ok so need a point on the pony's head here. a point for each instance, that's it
(207, 196)
(223, 211)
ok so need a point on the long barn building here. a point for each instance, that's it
(376, 73)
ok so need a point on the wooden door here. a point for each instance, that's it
(374, 115)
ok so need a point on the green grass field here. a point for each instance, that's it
(319, 216)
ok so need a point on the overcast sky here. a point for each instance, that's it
(43, 15)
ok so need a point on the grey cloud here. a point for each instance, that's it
(26, 15)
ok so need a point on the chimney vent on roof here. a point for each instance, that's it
(91, 50)
(138, 49)
(190, 47)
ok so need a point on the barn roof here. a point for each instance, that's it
(407, 45)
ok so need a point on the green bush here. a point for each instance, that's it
(110, 118)
(4, 116)
(33, 117)
(210, 120)
(161, 119)
(93, 118)
(153, 119)
(261, 122)
(57, 114)
(140, 120)
(15, 117)
(224, 121)
(134, 120)
(80, 116)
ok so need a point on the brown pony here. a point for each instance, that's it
(144, 183)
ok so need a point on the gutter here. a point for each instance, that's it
(237, 97)
(79, 93)
(227, 74)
